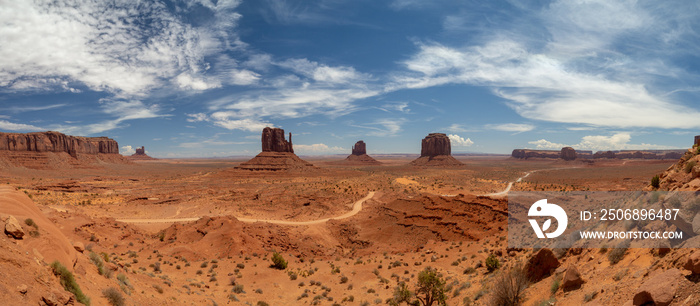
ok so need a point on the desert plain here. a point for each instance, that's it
(203, 232)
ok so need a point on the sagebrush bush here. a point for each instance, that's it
(114, 297)
(278, 261)
(492, 263)
(68, 282)
(509, 287)
(655, 181)
(618, 253)
(689, 166)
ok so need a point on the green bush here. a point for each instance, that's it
(492, 263)
(655, 181)
(114, 297)
(431, 288)
(278, 261)
(68, 282)
(689, 166)
(101, 269)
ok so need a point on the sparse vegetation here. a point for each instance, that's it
(114, 297)
(431, 288)
(689, 166)
(68, 282)
(618, 253)
(278, 261)
(101, 268)
(509, 287)
(492, 263)
(655, 181)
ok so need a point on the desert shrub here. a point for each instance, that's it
(509, 287)
(343, 279)
(431, 288)
(261, 303)
(401, 295)
(469, 270)
(124, 283)
(114, 297)
(238, 289)
(556, 282)
(278, 261)
(689, 166)
(655, 181)
(68, 282)
(292, 276)
(492, 263)
(618, 253)
(31, 223)
(204, 264)
(101, 269)
(240, 266)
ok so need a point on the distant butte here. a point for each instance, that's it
(277, 153)
(140, 154)
(436, 150)
(359, 155)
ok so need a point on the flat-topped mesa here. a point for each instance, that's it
(435, 144)
(359, 148)
(57, 142)
(436, 151)
(567, 153)
(273, 141)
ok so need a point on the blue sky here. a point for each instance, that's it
(202, 78)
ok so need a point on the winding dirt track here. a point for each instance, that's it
(356, 208)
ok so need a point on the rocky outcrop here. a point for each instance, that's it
(567, 153)
(541, 265)
(436, 151)
(359, 148)
(693, 263)
(277, 154)
(13, 228)
(273, 141)
(658, 290)
(435, 144)
(57, 142)
(697, 140)
(140, 151)
(572, 279)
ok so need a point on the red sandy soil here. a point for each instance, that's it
(417, 217)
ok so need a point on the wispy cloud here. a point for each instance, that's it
(511, 127)
(10, 126)
(29, 108)
(383, 127)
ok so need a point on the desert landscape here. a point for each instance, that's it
(278, 229)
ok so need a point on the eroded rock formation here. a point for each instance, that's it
(436, 151)
(277, 153)
(140, 154)
(57, 142)
(359, 148)
(140, 151)
(568, 153)
(435, 144)
(359, 155)
(273, 141)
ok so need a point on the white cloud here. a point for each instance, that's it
(107, 45)
(401, 107)
(456, 128)
(123, 110)
(323, 73)
(127, 150)
(317, 148)
(511, 127)
(544, 144)
(383, 127)
(458, 141)
(227, 120)
(244, 77)
(617, 141)
(198, 117)
(188, 82)
(10, 126)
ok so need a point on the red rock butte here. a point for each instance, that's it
(140, 154)
(359, 155)
(436, 150)
(277, 153)
(41, 150)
